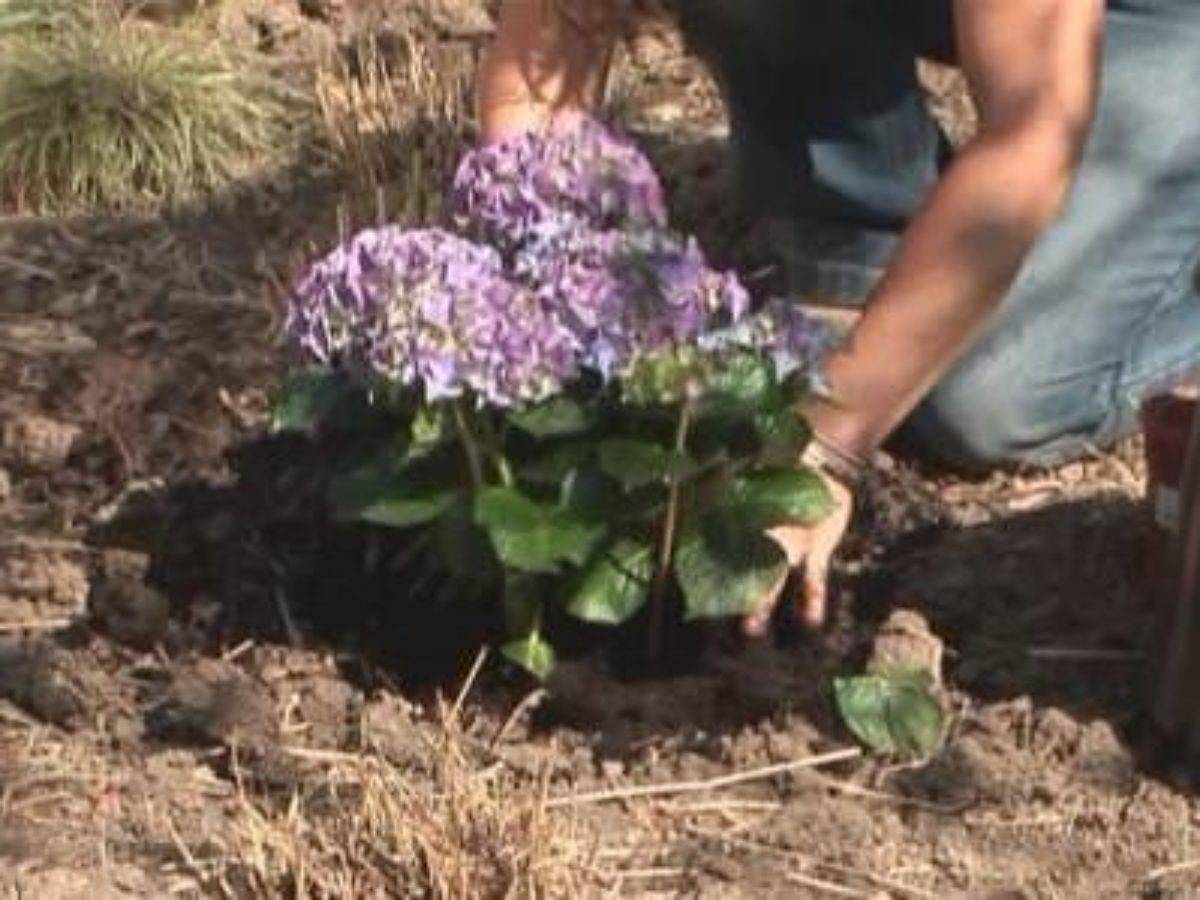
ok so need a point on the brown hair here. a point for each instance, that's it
(624, 18)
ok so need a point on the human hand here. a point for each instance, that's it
(811, 547)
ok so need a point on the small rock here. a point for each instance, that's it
(37, 442)
(130, 610)
(216, 703)
(1104, 759)
(905, 641)
(5, 484)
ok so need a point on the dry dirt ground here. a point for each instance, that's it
(206, 688)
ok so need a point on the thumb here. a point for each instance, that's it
(813, 600)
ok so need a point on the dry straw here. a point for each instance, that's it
(99, 111)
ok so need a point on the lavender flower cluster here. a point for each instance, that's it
(504, 192)
(624, 294)
(429, 308)
(566, 265)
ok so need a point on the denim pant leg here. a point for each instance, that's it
(1107, 308)
(833, 144)
(836, 151)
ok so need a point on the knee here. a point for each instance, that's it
(972, 423)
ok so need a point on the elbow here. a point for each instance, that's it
(1045, 158)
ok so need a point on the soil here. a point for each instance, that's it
(192, 655)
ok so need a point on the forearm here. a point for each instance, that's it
(541, 69)
(955, 262)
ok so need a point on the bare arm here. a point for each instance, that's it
(1033, 69)
(542, 68)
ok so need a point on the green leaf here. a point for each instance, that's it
(736, 386)
(306, 399)
(725, 566)
(891, 713)
(381, 492)
(407, 505)
(532, 653)
(555, 463)
(615, 586)
(530, 536)
(782, 431)
(462, 548)
(777, 494)
(557, 417)
(636, 463)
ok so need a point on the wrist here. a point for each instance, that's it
(839, 428)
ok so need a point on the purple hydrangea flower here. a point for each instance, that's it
(623, 294)
(794, 341)
(504, 191)
(429, 309)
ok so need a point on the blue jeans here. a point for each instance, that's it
(836, 149)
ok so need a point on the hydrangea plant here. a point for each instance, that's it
(579, 411)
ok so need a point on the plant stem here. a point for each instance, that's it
(494, 447)
(666, 545)
(470, 447)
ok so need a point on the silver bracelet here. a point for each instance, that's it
(823, 454)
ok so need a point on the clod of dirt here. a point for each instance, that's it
(37, 443)
(1104, 760)
(31, 679)
(906, 642)
(129, 609)
(214, 702)
(388, 727)
(40, 582)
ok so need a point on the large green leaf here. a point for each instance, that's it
(381, 492)
(725, 566)
(531, 536)
(557, 417)
(636, 463)
(532, 653)
(554, 462)
(894, 712)
(777, 494)
(615, 585)
(307, 399)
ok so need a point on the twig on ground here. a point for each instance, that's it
(35, 625)
(854, 790)
(1191, 865)
(828, 887)
(234, 652)
(285, 616)
(1083, 654)
(712, 784)
(532, 699)
(332, 757)
(468, 683)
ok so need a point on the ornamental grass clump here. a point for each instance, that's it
(102, 112)
(568, 410)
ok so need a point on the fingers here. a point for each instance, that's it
(812, 602)
(793, 540)
(757, 623)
